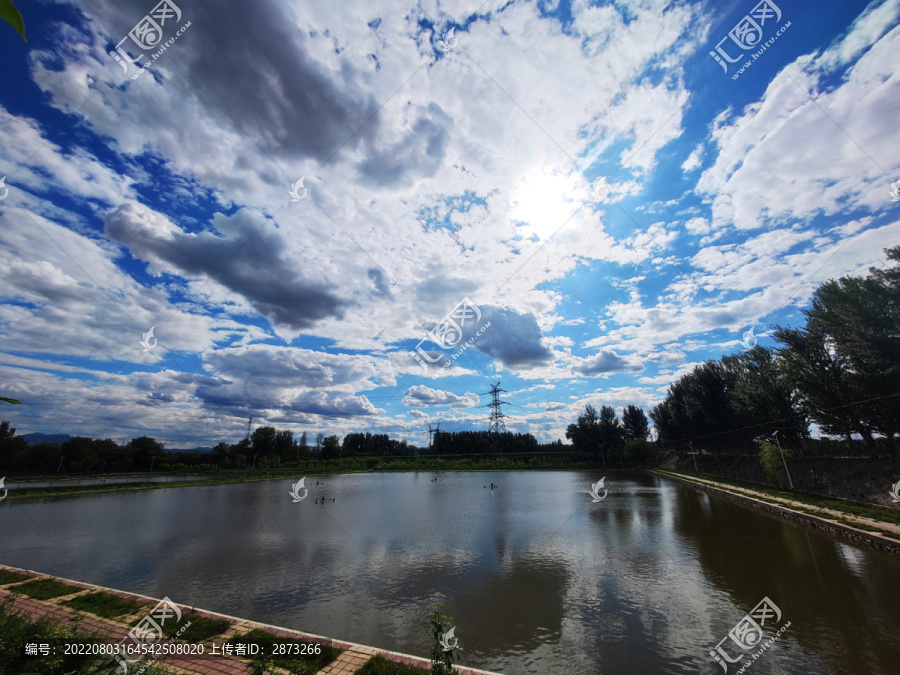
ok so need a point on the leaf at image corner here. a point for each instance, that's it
(11, 15)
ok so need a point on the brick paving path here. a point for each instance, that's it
(351, 660)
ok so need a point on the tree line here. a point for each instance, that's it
(265, 448)
(840, 370)
(611, 440)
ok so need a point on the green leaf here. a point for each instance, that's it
(10, 14)
(3, 398)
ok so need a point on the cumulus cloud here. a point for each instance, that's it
(604, 363)
(246, 254)
(514, 339)
(421, 396)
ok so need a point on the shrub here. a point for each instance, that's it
(773, 465)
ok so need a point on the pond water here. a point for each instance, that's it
(538, 577)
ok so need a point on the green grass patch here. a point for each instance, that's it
(45, 589)
(17, 630)
(103, 604)
(201, 628)
(8, 577)
(307, 664)
(379, 665)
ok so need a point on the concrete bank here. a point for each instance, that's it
(783, 508)
(353, 657)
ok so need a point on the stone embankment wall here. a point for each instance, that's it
(835, 529)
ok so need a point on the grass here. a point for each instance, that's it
(105, 605)
(17, 630)
(298, 665)
(201, 628)
(378, 665)
(8, 577)
(45, 589)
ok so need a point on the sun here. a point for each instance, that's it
(543, 201)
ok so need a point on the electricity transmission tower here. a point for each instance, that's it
(496, 418)
(432, 432)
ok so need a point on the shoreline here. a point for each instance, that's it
(352, 658)
(228, 479)
(836, 523)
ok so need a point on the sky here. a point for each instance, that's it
(358, 216)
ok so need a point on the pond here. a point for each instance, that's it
(538, 576)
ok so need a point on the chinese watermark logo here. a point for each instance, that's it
(748, 34)
(297, 191)
(448, 641)
(449, 331)
(448, 40)
(749, 340)
(895, 490)
(895, 191)
(148, 34)
(147, 632)
(748, 634)
(145, 342)
(595, 490)
(3, 487)
(599, 189)
(295, 491)
(4, 191)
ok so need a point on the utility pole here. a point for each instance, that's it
(790, 482)
(694, 455)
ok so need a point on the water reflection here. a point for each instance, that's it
(538, 578)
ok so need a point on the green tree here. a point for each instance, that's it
(146, 452)
(585, 433)
(635, 424)
(610, 432)
(284, 445)
(861, 317)
(699, 406)
(763, 398)
(13, 449)
(262, 441)
(330, 447)
(828, 390)
(640, 450)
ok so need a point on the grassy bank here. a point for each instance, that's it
(17, 630)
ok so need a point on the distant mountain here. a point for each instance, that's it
(188, 449)
(35, 438)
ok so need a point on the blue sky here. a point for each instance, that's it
(581, 184)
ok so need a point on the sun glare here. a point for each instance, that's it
(542, 202)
